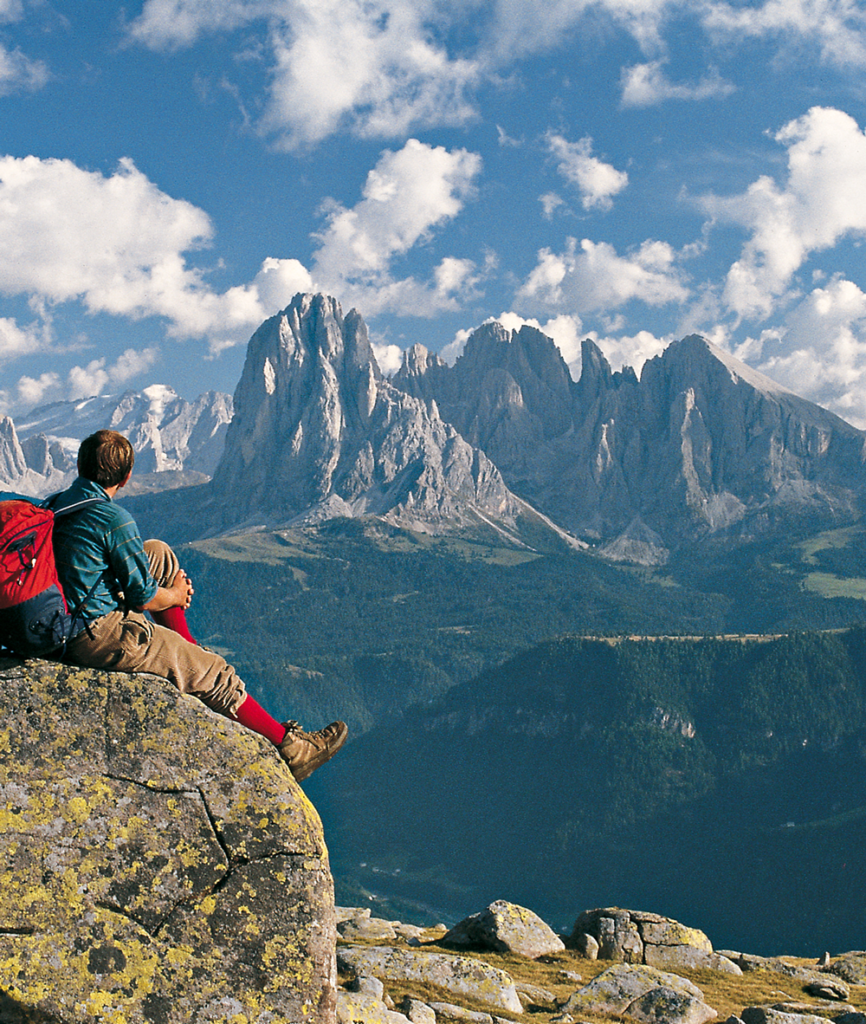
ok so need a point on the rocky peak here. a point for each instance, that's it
(596, 376)
(532, 361)
(318, 432)
(12, 462)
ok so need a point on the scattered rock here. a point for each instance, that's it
(851, 967)
(664, 1005)
(805, 975)
(367, 986)
(570, 976)
(826, 1009)
(373, 928)
(688, 958)
(417, 1011)
(350, 913)
(828, 988)
(617, 988)
(769, 1015)
(586, 945)
(506, 928)
(635, 937)
(361, 1008)
(458, 975)
(461, 1013)
(533, 995)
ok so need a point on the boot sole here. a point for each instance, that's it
(305, 770)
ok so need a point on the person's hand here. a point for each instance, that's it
(183, 588)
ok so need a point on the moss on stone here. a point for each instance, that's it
(157, 861)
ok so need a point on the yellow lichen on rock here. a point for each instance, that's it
(157, 862)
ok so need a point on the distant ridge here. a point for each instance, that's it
(180, 441)
(699, 445)
(504, 443)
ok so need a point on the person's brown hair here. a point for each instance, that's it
(105, 457)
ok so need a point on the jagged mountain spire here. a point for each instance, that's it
(319, 432)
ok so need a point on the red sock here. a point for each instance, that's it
(175, 620)
(253, 716)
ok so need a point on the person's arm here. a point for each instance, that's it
(129, 564)
(178, 595)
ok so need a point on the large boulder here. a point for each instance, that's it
(506, 928)
(158, 862)
(851, 967)
(644, 993)
(637, 937)
(460, 976)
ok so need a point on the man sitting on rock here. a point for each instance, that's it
(114, 578)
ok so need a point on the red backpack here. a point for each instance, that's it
(34, 618)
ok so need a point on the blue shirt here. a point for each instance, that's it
(99, 548)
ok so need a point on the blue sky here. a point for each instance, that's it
(631, 171)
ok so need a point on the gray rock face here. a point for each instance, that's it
(699, 443)
(13, 465)
(366, 928)
(769, 1015)
(363, 1008)
(506, 928)
(504, 440)
(319, 433)
(457, 975)
(155, 858)
(828, 988)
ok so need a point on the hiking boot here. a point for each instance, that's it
(303, 751)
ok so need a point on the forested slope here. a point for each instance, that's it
(720, 780)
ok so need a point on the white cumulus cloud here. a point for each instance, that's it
(115, 243)
(820, 351)
(18, 72)
(593, 276)
(120, 246)
(821, 201)
(375, 66)
(16, 341)
(407, 195)
(644, 85)
(596, 180)
(836, 27)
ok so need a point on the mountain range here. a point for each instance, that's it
(180, 441)
(502, 443)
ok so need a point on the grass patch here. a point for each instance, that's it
(836, 539)
(261, 548)
(828, 585)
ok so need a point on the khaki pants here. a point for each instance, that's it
(130, 642)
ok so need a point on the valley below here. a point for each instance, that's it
(564, 732)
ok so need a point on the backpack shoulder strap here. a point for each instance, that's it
(76, 506)
(64, 510)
